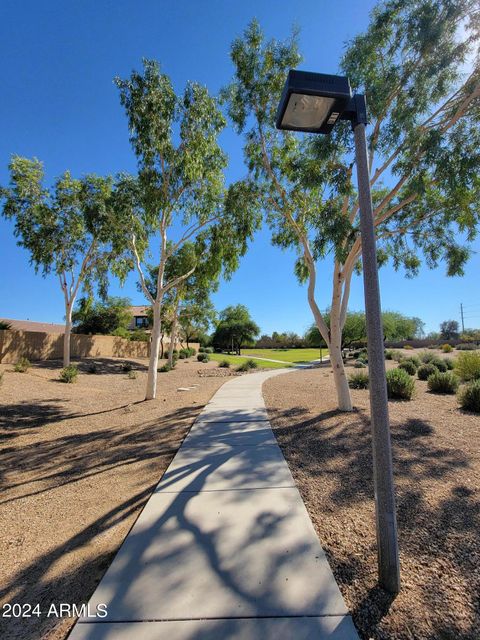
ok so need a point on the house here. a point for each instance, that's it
(139, 317)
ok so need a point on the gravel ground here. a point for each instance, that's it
(436, 450)
(78, 463)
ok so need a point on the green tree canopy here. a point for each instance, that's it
(235, 329)
(101, 316)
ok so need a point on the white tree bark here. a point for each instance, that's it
(67, 335)
(173, 335)
(151, 392)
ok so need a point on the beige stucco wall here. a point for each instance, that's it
(35, 345)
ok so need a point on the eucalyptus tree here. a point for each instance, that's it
(179, 193)
(67, 229)
(418, 64)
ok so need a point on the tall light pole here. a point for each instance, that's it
(313, 103)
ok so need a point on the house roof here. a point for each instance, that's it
(139, 310)
(30, 325)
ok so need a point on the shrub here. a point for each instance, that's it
(408, 346)
(126, 366)
(360, 364)
(164, 368)
(182, 355)
(253, 364)
(5, 325)
(121, 332)
(175, 352)
(415, 359)
(69, 374)
(432, 346)
(208, 350)
(399, 384)
(22, 365)
(132, 375)
(1, 377)
(447, 348)
(191, 351)
(439, 363)
(358, 380)
(225, 364)
(469, 396)
(92, 367)
(450, 363)
(467, 365)
(203, 357)
(426, 357)
(426, 370)
(139, 336)
(446, 382)
(201, 349)
(466, 346)
(408, 366)
(397, 355)
(388, 354)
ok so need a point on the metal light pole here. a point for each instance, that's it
(387, 545)
(314, 102)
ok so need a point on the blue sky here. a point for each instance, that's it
(60, 105)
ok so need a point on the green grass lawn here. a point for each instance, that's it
(235, 361)
(295, 356)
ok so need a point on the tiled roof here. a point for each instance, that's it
(30, 325)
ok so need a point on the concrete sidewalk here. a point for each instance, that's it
(224, 548)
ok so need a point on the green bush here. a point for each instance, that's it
(1, 377)
(139, 336)
(358, 380)
(433, 346)
(182, 355)
(208, 350)
(22, 365)
(225, 364)
(408, 346)
(69, 374)
(426, 357)
(450, 363)
(439, 363)
(397, 355)
(201, 349)
(126, 366)
(388, 354)
(253, 364)
(469, 396)
(443, 382)
(203, 357)
(121, 332)
(400, 385)
(360, 364)
(466, 346)
(447, 348)
(165, 368)
(467, 365)
(426, 370)
(415, 359)
(408, 366)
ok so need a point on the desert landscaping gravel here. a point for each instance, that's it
(436, 449)
(78, 463)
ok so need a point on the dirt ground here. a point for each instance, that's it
(78, 463)
(436, 450)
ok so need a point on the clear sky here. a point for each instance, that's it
(60, 105)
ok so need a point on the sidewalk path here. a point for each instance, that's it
(224, 549)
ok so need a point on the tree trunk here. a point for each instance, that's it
(171, 346)
(66, 337)
(336, 360)
(154, 349)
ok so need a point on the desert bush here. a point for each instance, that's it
(5, 325)
(446, 382)
(139, 336)
(191, 351)
(466, 346)
(467, 365)
(121, 332)
(415, 359)
(397, 355)
(69, 374)
(203, 357)
(426, 357)
(208, 350)
(165, 368)
(22, 365)
(225, 364)
(358, 380)
(360, 364)
(126, 366)
(408, 366)
(400, 385)
(447, 348)
(450, 363)
(201, 349)
(439, 363)
(388, 354)
(432, 346)
(132, 375)
(426, 370)
(469, 396)
(408, 346)
(253, 364)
